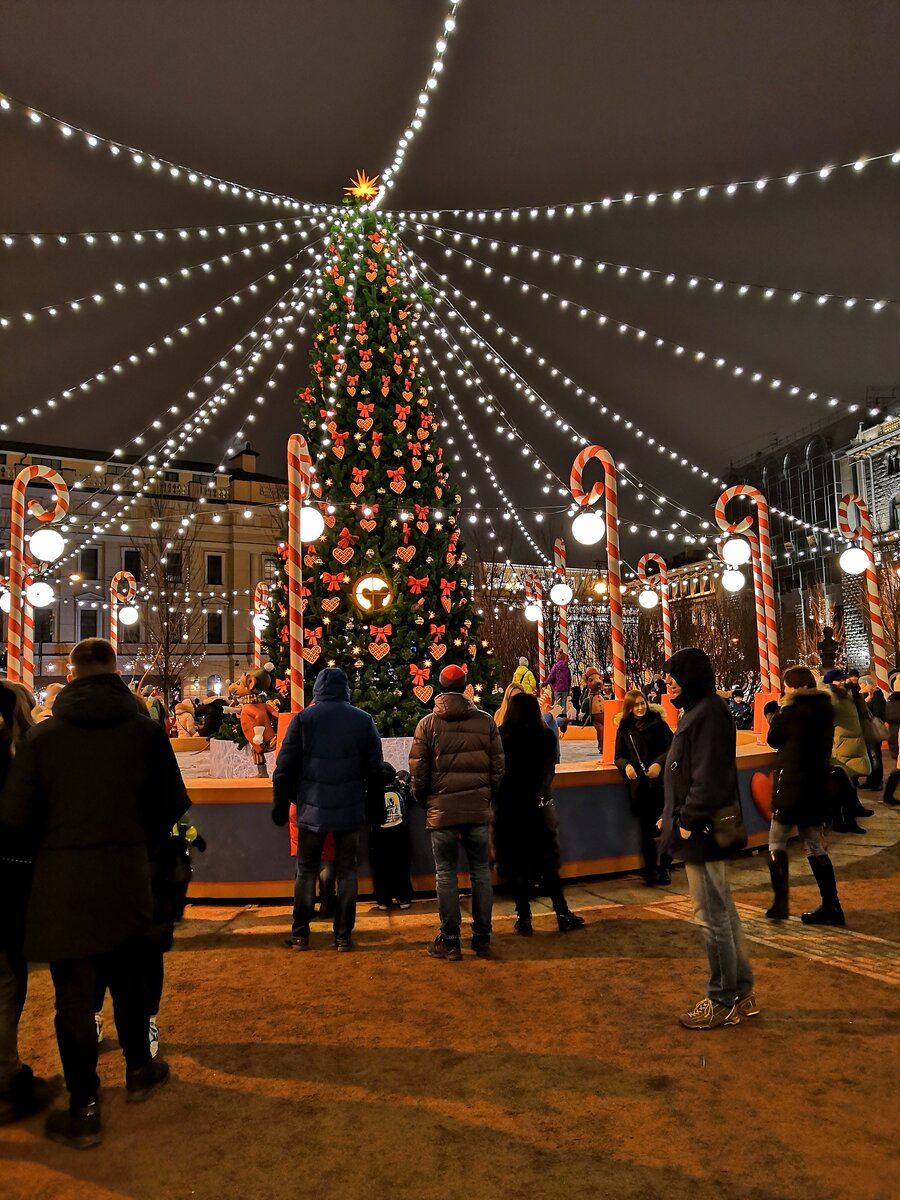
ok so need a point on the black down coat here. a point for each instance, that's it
(525, 841)
(701, 773)
(95, 788)
(802, 731)
(641, 742)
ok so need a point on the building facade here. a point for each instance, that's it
(197, 542)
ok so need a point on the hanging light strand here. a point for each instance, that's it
(141, 159)
(423, 103)
(725, 288)
(650, 199)
(640, 335)
(14, 239)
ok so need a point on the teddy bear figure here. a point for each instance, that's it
(258, 714)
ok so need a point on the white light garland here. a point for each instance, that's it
(155, 163)
(625, 328)
(719, 287)
(156, 235)
(389, 174)
(169, 339)
(93, 300)
(650, 199)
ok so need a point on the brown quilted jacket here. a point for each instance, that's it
(456, 763)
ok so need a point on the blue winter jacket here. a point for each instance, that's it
(330, 752)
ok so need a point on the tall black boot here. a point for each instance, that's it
(829, 911)
(890, 788)
(779, 874)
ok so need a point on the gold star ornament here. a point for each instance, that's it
(362, 187)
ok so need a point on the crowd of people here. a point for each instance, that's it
(92, 804)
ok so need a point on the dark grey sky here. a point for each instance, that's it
(540, 102)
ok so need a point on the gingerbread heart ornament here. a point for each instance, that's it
(330, 603)
(378, 649)
(342, 554)
(470, 692)
(311, 653)
(398, 485)
(365, 424)
(437, 649)
(406, 553)
(357, 488)
(423, 693)
(368, 524)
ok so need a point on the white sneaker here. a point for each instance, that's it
(98, 1022)
(154, 1038)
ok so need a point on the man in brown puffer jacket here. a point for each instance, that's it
(456, 764)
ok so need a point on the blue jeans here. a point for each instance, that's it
(730, 975)
(445, 845)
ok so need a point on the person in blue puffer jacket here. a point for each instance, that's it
(328, 765)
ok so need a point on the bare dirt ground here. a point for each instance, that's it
(555, 1072)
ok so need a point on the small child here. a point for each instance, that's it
(390, 847)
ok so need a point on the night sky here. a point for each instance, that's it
(540, 102)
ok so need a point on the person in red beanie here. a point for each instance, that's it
(456, 764)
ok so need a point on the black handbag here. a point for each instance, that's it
(727, 828)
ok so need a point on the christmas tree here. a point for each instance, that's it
(386, 589)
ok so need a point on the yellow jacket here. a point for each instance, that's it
(526, 680)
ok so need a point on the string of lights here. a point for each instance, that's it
(578, 439)
(154, 235)
(640, 335)
(118, 290)
(704, 191)
(719, 287)
(157, 164)
(167, 340)
(388, 176)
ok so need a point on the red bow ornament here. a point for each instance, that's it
(419, 674)
(446, 587)
(437, 631)
(398, 483)
(333, 582)
(352, 381)
(385, 384)
(357, 483)
(346, 538)
(416, 586)
(381, 633)
(365, 359)
(313, 636)
(376, 443)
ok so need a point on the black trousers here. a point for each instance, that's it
(550, 885)
(154, 974)
(309, 859)
(390, 853)
(75, 981)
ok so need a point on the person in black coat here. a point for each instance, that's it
(95, 789)
(802, 732)
(642, 743)
(21, 1091)
(701, 794)
(525, 823)
(329, 761)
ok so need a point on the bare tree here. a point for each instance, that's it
(172, 628)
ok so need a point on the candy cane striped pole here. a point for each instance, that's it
(299, 462)
(662, 576)
(115, 599)
(762, 640)
(559, 561)
(20, 624)
(260, 604)
(614, 575)
(767, 577)
(534, 595)
(863, 535)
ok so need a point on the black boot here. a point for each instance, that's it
(778, 873)
(77, 1127)
(829, 911)
(567, 921)
(890, 788)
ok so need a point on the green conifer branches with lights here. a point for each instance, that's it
(385, 587)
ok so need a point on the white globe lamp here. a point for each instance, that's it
(5, 602)
(312, 523)
(648, 599)
(39, 595)
(854, 560)
(260, 621)
(736, 551)
(560, 594)
(733, 580)
(46, 545)
(588, 528)
(129, 615)
(532, 612)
